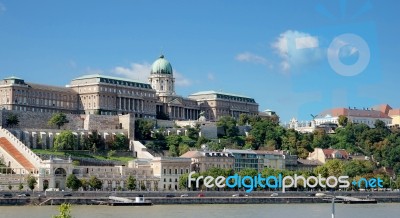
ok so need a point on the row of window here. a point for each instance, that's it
(125, 83)
(234, 98)
(175, 171)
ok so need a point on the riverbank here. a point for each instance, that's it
(163, 198)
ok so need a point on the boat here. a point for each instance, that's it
(119, 201)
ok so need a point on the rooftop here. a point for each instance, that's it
(211, 92)
(90, 76)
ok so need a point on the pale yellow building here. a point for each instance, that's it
(204, 160)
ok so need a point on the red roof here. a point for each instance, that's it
(353, 113)
(328, 152)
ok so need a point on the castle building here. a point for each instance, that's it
(108, 95)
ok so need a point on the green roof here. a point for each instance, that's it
(220, 93)
(13, 77)
(90, 76)
(161, 66)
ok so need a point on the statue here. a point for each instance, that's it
(202, 118)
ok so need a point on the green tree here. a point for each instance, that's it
(131, 183)
(229, 125)
(58, 119)
(84, 184)
(73, 182)
(121, 142)
(193, 133)
(183, 148)
(343, 120)
(9, 187)
(173, 142)
(65, 141)
(95, 183)
(20, 186)
(31, 182)
(244, 119)
(12, 120)
(65, 211)
(143, 129)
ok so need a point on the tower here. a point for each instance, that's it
(161, 77)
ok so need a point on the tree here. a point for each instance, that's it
(20, 186)
(229, 125)
(73, 182)
(343, 120)
(95, 183)
(84, 184)
(143, 129)
(58, 119)
(183, 148)
(173, 142)
(131, 183)
(243, 119)
(9, 187)
(379, 124)
(121, 142)
(65, 211)
(65, 141)
(31, 182)
(12, 120)
(193, 133)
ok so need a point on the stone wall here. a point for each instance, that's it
(127, 122)
(44, 138)
(103, 122)
(29, 119)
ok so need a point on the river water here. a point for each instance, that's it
(208, 211)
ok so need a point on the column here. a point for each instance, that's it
(133, 106)
(119, 103)
(142, 106)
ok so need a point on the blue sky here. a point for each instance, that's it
(297, 58)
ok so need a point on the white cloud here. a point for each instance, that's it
(306, 42)
(297, 49)
(136, 71)
(253, 58)
(141, 72)
(180, 80)
(250, 57)
(2, 8)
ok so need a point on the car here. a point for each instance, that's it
(24, 195)
(274, 195)
(170, 196)
(239, 195)
(67, 195)
(200, 195)
(184, 195)
(320, 195)
(7, 195)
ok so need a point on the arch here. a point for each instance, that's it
(60, 172)
(45, 184)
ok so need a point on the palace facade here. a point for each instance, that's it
(107, 95)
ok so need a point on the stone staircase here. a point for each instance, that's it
(16, 155)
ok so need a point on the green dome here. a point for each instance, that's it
(161, 66)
